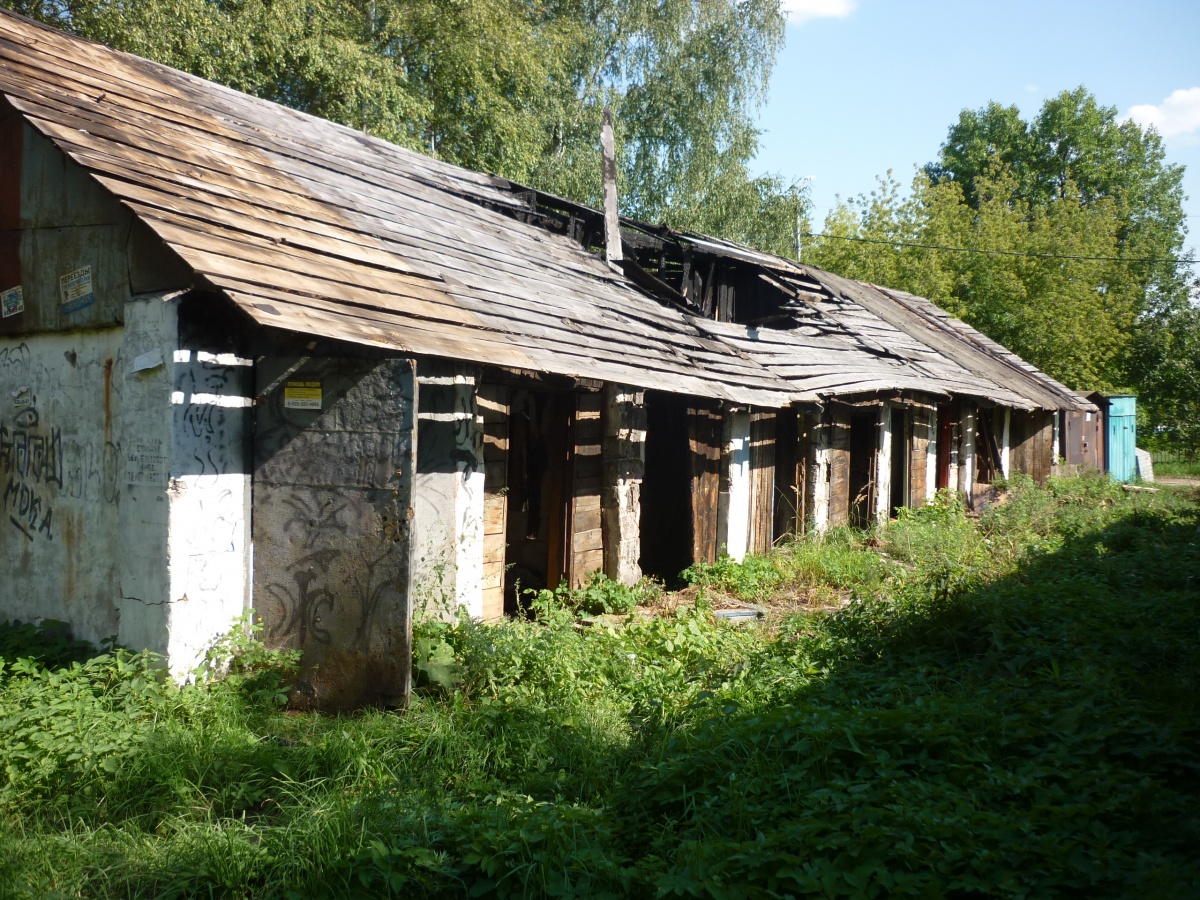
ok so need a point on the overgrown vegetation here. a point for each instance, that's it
(996, 706)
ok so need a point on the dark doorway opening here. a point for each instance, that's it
(666, 526)
(945, 440)
(863, 462)
(538, 479)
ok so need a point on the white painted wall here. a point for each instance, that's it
(738, 534)
(469, 498)
(136, 461)
(1006, 442)
(931, 456)
(209, 496)
(821, 473)
(448, 493)
(966, 458)
(60, 462)
(883, 468)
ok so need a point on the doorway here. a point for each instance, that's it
(863, 466)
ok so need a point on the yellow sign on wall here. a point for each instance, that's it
(302, 395)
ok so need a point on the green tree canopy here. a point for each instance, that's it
(514, 87)
(1077, 149)
(1072, 225)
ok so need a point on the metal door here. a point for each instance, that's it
(1122, 437)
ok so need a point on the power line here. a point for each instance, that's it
(1182, 261)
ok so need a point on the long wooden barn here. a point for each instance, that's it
(250, 359)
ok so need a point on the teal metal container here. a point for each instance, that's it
(1122, 438)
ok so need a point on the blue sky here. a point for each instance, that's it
(863, 86)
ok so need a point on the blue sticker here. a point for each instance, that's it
(76, 291)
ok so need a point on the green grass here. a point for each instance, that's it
(1177, 468)
(1007, 706)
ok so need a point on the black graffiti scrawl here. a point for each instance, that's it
(31, 465)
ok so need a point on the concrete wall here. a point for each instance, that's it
(448, 492)
(737, 521)
(122, 442)
(624, 468)
(334, 461)
(125, 485)
(60, 473)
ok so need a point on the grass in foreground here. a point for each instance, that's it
(1003, 707)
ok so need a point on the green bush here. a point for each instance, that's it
(749, 579)
(1004, 706)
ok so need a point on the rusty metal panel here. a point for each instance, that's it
(333, 473)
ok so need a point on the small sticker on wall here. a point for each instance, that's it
(146, 462)
(12, 302)
(302, 395)
(75, 290)
(21, 396)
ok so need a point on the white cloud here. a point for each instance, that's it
(1178, 115)
(801, 11)
(1032, 88)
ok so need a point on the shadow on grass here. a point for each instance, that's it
(1033, 736)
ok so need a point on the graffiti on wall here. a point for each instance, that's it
(39, 465)
(31, 464)
(210, 393)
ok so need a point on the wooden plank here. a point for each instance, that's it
(493, 550)
(588, 501)
(762, 481)
(705, 428)
(839, 467)
(918, 460)
(494, 514)
(587, 562)
(586, 521)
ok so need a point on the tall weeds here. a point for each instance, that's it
(1002, 706)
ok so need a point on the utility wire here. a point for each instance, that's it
(1182, 261)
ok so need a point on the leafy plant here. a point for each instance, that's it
(1006, 705)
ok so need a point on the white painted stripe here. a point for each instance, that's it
(445, 417)
(229, 401)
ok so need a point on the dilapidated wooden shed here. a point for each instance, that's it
(253, 360)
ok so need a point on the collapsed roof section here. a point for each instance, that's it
(312, 227)
(315, 228)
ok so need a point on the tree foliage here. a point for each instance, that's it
(1059, 216)
(514, 87)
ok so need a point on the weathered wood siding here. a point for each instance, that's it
(586, 537)
(839, 465)
(920, 417)
(793, 449)
(705, 432)
(1032, 436)
(493, 410)
(762, 481)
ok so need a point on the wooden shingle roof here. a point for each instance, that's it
(312, 227)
